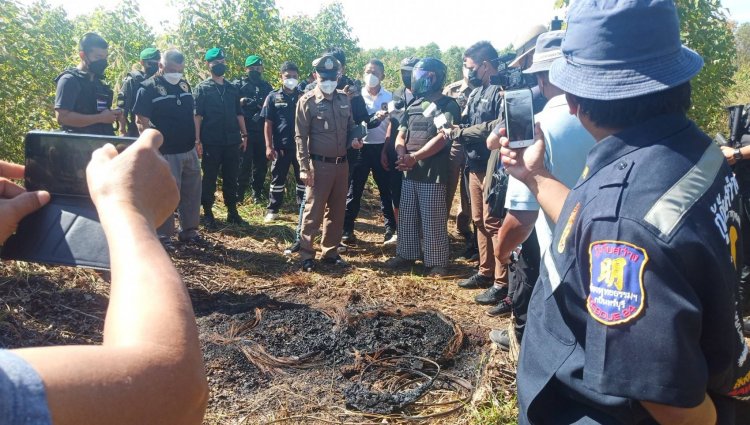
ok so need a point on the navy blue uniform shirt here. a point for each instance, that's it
(279, 108)
(637, 295)
(169, 107)
(219, 105)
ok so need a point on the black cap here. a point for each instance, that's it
(407, 64)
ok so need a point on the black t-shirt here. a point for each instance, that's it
(170, 109)
(280, 108)
(219, 105)
(484, 104)
(77, 93)
(255, 93)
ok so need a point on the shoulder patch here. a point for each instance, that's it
(616, 293)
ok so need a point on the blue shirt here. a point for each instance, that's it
(566, 143)
(23, 400)
(637, 297)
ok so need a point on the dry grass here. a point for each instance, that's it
(42, 305)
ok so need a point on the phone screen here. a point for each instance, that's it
(519, 118)
(56, 162)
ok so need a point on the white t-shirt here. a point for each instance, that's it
(374, 103)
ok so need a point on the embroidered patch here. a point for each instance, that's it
(616, 289)
(741, 388)
(184, 86)
(568, 228)
(162, 91)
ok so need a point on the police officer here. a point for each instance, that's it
(82, 99)
(165, 102)
(278, 113)
(253, 92)
(126, 98)
(634, 319)
(323, 124)
(220, 136)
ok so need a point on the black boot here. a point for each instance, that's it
(233, 216)
(208, 217)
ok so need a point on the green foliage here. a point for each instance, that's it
(742, 42)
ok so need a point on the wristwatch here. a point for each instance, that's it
(737, 155)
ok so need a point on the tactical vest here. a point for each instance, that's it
(92, 92)
(421, 128)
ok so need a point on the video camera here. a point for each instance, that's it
(511, 78)
(739, 127)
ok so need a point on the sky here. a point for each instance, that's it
(375, 25)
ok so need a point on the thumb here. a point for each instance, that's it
(104, 154)
(26, 203)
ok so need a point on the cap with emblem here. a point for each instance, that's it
(214, 54)
(327, 67)
(150, 54)
(547, 49)
(253, 60)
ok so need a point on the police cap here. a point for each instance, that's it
(327, 66)
(253, 60)
(214, 54)
(150, 54)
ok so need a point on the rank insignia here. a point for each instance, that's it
(184, 86)
(616, 293)
(568, 227)
(162, 91)
(328, 64)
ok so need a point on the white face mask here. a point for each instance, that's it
(328, 87)
(466, 73)
(173, 77)
(371, 80)
(291, 83)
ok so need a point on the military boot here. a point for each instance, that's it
(208, 217)
(233, 216)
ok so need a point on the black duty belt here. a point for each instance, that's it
(329, 159)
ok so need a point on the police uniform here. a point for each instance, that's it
(253, 93)
(637, 295)
(169, 108)
(77, 92)
(129, 89)
(279, 110)
(322, 129)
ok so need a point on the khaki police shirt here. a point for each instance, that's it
(322, 126)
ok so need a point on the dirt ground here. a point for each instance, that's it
(283, 346)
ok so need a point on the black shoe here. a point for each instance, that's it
(308, 265)
(471, 253)
(501, 338)
(502, 309)
(292, 248)
(335, 261)
(209, 221)
(234, 218)
(197, 241)
(348, 237)
(476, 281)
(491, 296)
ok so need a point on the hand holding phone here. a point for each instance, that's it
(518, 110)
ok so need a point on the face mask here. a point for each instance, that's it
(328, 87)
(371, 80)
(474, 79)
(151, 69)
(173, 77)
(406, 79)
(291, 83)
(253, 75)
(98, 67)
(218, 69)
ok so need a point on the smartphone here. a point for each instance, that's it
(67, 230)
(518, 109)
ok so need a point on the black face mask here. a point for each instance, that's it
(474, 79)
(98, 67)
(218, 69)
(151, 68)
(253, 75)
(406, 79)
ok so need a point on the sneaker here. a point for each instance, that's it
(390, 237)
(501, 339)
(234, 218)
(335, 261)
(341, 248)
(270, 217)
(398, 262)
(492, 295)
(308, 265)
(348, 238)
(292, 249)
(476, 281)
(437, 271)
(502, 309)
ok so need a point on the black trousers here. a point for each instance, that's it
(361, 162)
(522, 276)
(279, 171)
(253, 165)
(224, 158)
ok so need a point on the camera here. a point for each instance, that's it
(739, 127)
(511, 78)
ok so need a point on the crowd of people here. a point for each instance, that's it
(609, 240)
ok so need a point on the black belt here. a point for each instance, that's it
(329, 159)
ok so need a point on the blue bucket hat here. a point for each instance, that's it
(619, 49)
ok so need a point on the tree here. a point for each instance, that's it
(742, 43)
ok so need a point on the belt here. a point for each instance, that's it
(329, 159)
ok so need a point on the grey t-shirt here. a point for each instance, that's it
(22, 397)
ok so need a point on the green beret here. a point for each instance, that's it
(150, 54)
(214, 54)
(253, 60)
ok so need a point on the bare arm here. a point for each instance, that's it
(516, 228)
(268, 135)
(243, 131)
(197, 120)
(704, 413)
(149, 368)
(75, 119)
